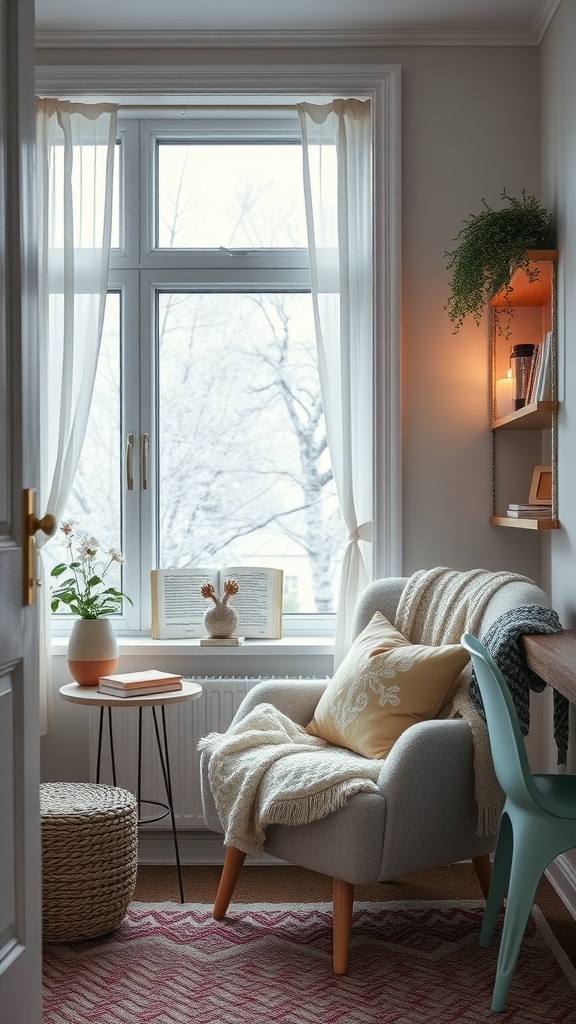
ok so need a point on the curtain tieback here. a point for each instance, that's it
(362, 532)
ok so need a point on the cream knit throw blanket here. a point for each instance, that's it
(267, 770)
(436, 607)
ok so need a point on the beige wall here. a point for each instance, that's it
(470, 128)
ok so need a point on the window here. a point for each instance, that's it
(206, 443)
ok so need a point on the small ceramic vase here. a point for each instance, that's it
(92, 651)
(220, 621)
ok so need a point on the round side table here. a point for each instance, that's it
(90, 697)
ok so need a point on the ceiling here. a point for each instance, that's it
(308, 22)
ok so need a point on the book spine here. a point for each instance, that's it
(514, 514)
(534, 370)
(137, 686)
(137, 689)
(141, 691)
(542, 384)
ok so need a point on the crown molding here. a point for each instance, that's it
(321, 39)
(178, 83)
(544, 17)
(178, 80)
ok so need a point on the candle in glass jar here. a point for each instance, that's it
(504, 397)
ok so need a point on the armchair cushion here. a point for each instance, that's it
(384, 685)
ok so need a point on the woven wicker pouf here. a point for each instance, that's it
(89, 858)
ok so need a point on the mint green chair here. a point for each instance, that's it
(538, 820)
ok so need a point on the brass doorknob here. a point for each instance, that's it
(47, 524)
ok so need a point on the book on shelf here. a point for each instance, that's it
(538, 388)
(542, 383)
(223, 641)
(533, 375)
(178, 606)
(534, 514)
(528, 506)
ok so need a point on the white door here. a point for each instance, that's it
(20, 943)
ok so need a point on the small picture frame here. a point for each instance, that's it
(541, 487)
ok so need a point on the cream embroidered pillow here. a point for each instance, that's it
(384, 685)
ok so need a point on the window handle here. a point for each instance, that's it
(144, 444)
(129, 462)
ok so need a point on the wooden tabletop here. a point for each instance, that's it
(553, 657)
(89, 695)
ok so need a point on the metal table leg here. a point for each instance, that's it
(111, 741)
(164, 756)
(165, 764)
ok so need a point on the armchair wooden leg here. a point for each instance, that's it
(342, 905)
(230, 874)
(483, 869)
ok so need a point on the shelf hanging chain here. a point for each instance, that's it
(554, 397)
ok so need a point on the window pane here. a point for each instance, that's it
(95, 502)
(232, 195)
(244, 471)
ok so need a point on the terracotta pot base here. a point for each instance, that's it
(87, 673)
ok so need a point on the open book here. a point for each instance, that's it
(178, 606)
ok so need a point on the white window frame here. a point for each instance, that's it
(155, 85)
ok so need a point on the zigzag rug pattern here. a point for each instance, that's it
(410, 963)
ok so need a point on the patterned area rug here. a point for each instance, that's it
(410, 963)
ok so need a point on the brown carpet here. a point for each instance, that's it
(286, 884)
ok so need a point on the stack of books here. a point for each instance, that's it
(529, 511)
(137, 684)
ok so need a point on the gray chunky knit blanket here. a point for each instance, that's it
(503, 640)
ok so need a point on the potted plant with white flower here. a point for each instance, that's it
(84, 591)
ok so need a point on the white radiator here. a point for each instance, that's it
(186, 724)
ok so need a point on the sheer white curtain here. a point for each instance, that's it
(341, 270)
(75, 163)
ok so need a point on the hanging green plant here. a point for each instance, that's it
(489, 244)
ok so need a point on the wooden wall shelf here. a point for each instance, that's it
(525, 524)
(530, 325)
(537, 416)
(525, 292)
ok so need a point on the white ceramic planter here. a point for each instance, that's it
(92, 650)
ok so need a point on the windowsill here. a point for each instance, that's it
(145, 646)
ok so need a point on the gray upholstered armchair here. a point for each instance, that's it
(424, 813)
